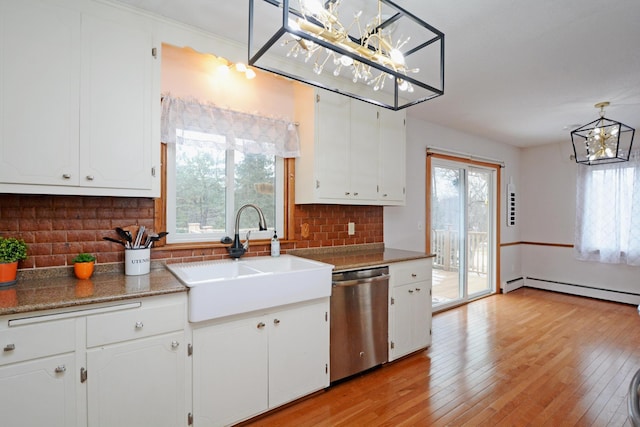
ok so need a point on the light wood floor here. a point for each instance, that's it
(526, 358)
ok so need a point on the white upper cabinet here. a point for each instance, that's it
(392, 167)
(39, 93)
(332, 150)
(116, 102)
(78, 90)
(352, 152)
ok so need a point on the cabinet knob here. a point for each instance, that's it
(417, 289)
(9, 347)
(60, 369)
(410, 291)
(384, 195)
(414, 275)
(139, 325)
(89, 177)
(346, 193)
(355, 194)
(175, 344)
(66, 176)
(261, 325)
(276, 321)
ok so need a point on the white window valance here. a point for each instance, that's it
(186, 120)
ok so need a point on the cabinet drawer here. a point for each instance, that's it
(135, 323)
(410, 272)
(18, 343)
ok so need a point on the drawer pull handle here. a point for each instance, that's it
(60, 369)
(276, 321)
(417, 289)
(66, 176)
(139, 325)
(410, 291)
(9, 347)
(261, 325)
(414, 275)
(175, 344)
(90, 177)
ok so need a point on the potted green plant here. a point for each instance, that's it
(83, 265)
(12, 250)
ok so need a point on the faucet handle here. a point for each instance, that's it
(246, 242)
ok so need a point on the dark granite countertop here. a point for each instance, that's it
(45, 293)
(359, 256)
(47, 289)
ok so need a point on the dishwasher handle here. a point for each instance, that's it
(345, 283)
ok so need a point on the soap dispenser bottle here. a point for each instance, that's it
(275, 245)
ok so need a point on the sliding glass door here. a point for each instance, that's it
(462, 218)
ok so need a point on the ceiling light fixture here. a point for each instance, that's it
(226, 66)
(381, 54)
(602, 141)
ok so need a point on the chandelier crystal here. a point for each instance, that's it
(602, 141)
(371, 50)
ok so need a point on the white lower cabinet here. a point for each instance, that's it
(136, 365)
(121, 364)
(38, 381)
(40, 392)
(137, 383)
(410, 307)
(251, 363)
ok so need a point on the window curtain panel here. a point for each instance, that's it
(608, 212)
(185, 121)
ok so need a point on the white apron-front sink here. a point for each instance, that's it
(224, 288)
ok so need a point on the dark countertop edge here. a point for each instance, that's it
(360, 256)
(83, 303)
(44, 293)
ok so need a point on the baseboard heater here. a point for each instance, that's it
(583, 290)
(512, 285)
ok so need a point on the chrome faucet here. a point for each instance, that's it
(237, 249)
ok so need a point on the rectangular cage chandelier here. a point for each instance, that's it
(602, 141)
(372, 50)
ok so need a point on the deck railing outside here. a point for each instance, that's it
(446, 247)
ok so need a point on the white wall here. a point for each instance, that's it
(404, 225)
(548, 202)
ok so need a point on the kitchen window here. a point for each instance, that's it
(217, 161)
(608, 212)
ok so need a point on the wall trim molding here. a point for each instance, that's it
(583, 290)
(556, 245)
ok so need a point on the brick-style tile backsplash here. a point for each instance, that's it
(326, 225)
(57, 228)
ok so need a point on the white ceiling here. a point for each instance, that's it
(519, 72)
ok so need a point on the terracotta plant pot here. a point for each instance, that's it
(8, 273)
(83, 270)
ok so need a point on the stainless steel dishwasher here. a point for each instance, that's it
(359, 321)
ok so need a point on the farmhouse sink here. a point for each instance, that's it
(224, 288)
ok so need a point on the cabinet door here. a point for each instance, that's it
(39, 90)
(138, 383)
(392, 176)
(332, 139)
(402, 320)
(39, 392)
(116, 102)
(230, 371)
(422, 315)
(298, 352)
(363, 171)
